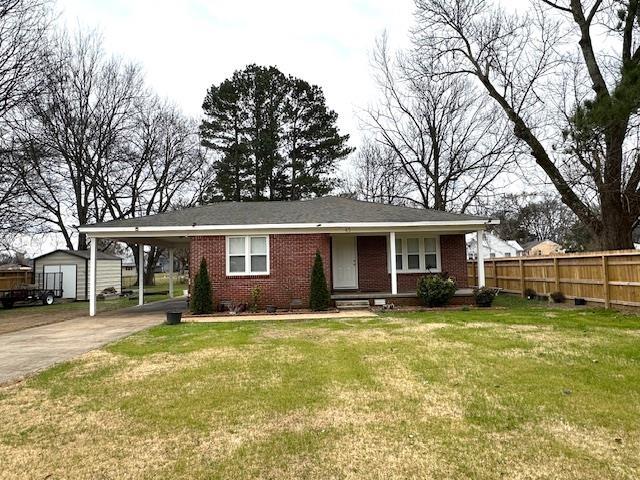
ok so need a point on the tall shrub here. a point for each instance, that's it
(436, 290)
(319, 297)
(202, 299)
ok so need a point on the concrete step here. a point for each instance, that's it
(352, 304)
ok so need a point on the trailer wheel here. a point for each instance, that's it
(47, 299)
(7, 303)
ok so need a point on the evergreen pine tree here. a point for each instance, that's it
(319, 296)
(202, 299)
(275, 137)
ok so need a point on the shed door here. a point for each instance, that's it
(68, 278)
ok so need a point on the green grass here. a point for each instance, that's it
(70, 309)
(519, 391)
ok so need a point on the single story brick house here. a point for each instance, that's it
(370, 250)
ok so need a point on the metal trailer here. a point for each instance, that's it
(45, 289)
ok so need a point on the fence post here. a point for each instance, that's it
(521, 277)
(556, 273)
(605, 281)
(495, 275)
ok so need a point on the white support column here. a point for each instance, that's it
(92, 275)
(171, 273)
(480, 255)
(140, 274)
(394, 270)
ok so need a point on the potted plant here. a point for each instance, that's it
(484, 296)
(557, 297)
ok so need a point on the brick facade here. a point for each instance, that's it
(373, 273)
(290, 256)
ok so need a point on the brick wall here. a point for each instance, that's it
(291, 259)
(453, 249)
(373, 275)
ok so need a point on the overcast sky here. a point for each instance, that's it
(185, 46)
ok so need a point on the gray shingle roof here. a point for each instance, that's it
(317, 210)
(83, 254)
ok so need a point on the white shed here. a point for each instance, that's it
(74, 266)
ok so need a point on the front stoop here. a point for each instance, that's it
(353, 304)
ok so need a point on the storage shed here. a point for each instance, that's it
(74, 266)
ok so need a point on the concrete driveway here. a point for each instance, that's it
(28, 351)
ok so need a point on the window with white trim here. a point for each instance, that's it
(248, 255)
(416, 254)
(431, 254)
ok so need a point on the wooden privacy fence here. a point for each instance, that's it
(11, 279)
(611, 278)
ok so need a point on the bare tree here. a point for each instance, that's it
(538, 67)
(450, 145)
(23, 28)
(70, 129)
(377, 176)
(155, 169)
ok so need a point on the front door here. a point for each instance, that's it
(344, 256)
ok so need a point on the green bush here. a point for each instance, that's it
(436, 290)
(319, 296)
(256, 294)
(530, 293)
(202, 298)
(484, 296)
(557, 297)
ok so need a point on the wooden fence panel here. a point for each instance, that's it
(11, 279)
(612, 278)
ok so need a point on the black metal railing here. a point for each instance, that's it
(50, 281)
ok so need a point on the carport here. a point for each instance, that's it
(168, 238)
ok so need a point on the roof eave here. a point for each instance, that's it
(133, 231)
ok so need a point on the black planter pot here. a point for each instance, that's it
(580, 301)
(174, 318)
(271, 309)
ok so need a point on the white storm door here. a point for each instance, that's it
(344, 262)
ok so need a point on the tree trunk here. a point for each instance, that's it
(617, 227)
(82, 241)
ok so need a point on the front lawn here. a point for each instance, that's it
(522, 392)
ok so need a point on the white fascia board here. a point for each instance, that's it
(177, 231)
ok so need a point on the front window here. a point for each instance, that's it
(248, 255)
(399, 254)
(430, 254)
(417, 254)
(413, 254)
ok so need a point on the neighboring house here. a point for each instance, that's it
(75, 268)
(129, 268)
(541, 247)
(14, 267)
(369, 250)
(493, 245)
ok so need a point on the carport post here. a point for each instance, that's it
(394, 269)
(171, 273)
(140, 274)
(480, 242)
(92, 276)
